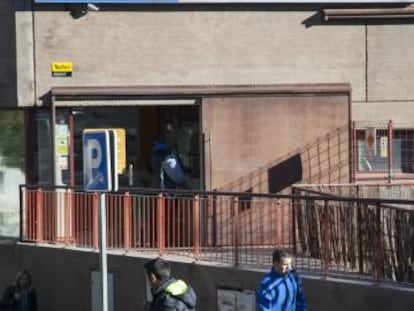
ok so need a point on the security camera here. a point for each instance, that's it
(92, 7)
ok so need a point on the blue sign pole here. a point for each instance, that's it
(102, 252)
(99, 172)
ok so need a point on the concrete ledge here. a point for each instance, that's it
(62, 278)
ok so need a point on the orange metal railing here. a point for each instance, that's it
(329, 234)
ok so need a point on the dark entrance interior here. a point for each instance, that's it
(177, 125)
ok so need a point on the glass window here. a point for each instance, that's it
(43, 148)
(12, 167)
(373, 156)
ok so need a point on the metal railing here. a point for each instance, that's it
(370, 238)
(374, 237)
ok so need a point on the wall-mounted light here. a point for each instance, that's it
(92, 7)
(80, 11)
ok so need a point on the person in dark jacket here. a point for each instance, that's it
(281, 288)
(20, 295)
(168, 293)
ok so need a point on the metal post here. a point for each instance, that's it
(359, 229)
(127, 222)
(293, 206)
(326, 237)
(161, 224)
(39, 216)
(236, 237)
(131, 175)
(95, 220)
(390, 151)
(378, 255)
(353, 150)
(196, 227)
(71, 150)
(102, 252)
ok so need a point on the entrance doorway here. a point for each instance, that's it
(176, 125)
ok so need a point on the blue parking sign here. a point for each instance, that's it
(97, 164)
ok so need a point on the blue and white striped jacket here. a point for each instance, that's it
(281, 292)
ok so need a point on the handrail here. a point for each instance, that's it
(237, 194)
(328, 233)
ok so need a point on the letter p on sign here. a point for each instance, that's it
(99, 151)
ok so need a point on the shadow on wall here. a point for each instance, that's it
(325, 160)
(284, 174)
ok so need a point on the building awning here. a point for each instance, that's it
(125, 94)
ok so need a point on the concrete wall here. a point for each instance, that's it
(132, 45)
(25, 57)
(62, 280)
(276, 44)
(16, 54)
(8, 86)
(202, 47)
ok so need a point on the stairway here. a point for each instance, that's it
(325, 160)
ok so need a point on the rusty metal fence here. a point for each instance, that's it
(369, 231)
(370, 238)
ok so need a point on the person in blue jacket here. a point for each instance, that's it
(281, 289)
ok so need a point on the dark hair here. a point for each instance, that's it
(159, 267)
(278, 254)
(19, 275)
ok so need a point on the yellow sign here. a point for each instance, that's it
(62, 67)
(384, 146)
(121, 149)
(62, 139)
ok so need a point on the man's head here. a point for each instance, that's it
(157, 271)
(282, 261)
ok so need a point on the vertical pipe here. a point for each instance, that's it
(102, 251)
(280, 223)
(29, 197)
(214, 221)
(326, 239)
(318, 142)
(39, 215)
(67, 216)
(161, 224)
(390, 151)
(71, 151)
(127, 221)
(130, 175)
(339, 155)
(236, 231)
(329, 157)
(53, 162)
(359, 228)
(196, 227)
(309, 163)
(144, 222)
(95, 220)
(353, 145)
(293, 209)
(378, 255)
(21, 211)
